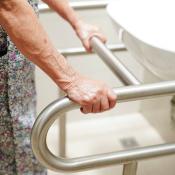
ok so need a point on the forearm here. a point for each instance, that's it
(63, 8)
(23, 27)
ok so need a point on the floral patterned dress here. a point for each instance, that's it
(17, 110)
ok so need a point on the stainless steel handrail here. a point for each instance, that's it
(105, 53)
(82, 51)
(53, 111)
(80, 5)
(60, 106)
(113, 63)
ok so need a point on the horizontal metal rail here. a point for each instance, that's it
(60, 106)
(113, 63)
(85, 5)
(82, 51)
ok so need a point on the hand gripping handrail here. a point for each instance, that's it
(56, 108)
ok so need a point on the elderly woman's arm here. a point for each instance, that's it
(20, 22)
(84, 30)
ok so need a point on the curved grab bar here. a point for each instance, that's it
(53, 111)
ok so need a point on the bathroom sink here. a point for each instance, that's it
(147, 28)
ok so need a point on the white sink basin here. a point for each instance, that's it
(147, 28)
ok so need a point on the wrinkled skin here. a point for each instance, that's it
(19, 19)
(93, 96)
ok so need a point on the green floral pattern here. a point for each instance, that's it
(17, 110)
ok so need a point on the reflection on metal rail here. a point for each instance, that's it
(128, 93)
(95, 4)
(58, 107)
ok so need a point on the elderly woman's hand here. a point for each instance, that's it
(86, 31)
(93, 96)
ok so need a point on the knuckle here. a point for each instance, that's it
(90, 100)
(94, 98)
(101, 91)
(86, 100)
(113, 98)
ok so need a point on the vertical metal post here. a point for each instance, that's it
(62, 136)
(62, 132)
(130, 168)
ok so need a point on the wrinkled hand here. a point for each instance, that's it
(86, 31)
(93, 96)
